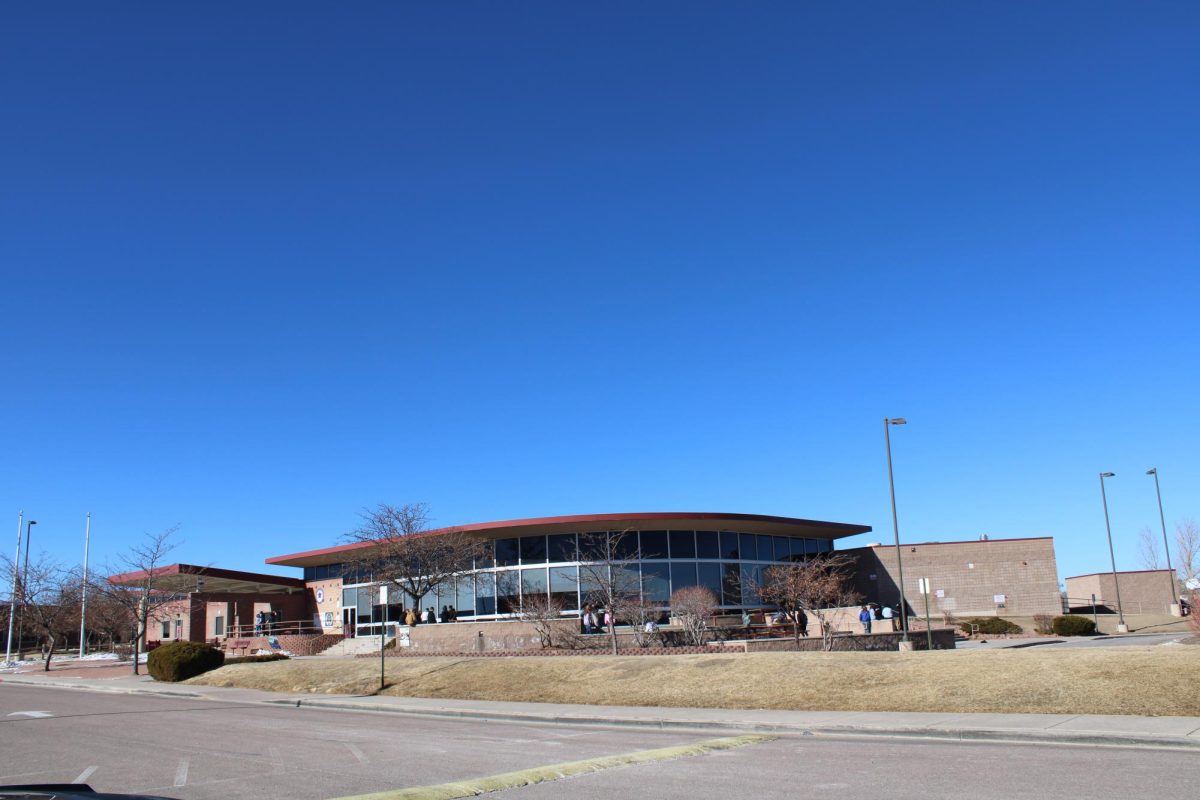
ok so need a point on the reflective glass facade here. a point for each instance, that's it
(727, 562)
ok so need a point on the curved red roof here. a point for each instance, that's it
(685, 520)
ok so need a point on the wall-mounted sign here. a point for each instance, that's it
(940, 593)
(328, 619)
(320, 595)
(999, 598)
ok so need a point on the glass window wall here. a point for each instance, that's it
(708, 544)
(683, 544)
(485, 593)
(656, 582)
(683, 573)
(533, 549)
(508, 552)
(561, 548)
(731, 585)
(654, 544)
(564, 586)
(533, 583)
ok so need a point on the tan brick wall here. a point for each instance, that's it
(965, 577)
(330, 604)
(1142, 591)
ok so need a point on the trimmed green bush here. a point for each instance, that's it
(179, 661)
(256, 659)
(1073, 625)
(992, 626)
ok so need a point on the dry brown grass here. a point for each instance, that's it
(1118, 680)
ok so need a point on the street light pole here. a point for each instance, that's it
(87, 540)
(1166, 547)
(24, 581)
(887, 437)
(12, 600)
(1121, 627)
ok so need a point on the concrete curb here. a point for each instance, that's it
(799, 729)
(832, 730)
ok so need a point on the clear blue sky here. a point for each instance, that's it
(266, 265)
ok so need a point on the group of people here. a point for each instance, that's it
(428, 615)
(872, 612)
(265, 622)
(595, 620)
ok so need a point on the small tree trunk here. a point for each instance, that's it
(49, 655)
(612, 634)
(137, 642)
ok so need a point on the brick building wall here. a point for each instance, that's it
(991, 577)
(1145, 591)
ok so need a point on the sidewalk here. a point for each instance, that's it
(1175, 732)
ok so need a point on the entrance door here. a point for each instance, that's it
(349, 622)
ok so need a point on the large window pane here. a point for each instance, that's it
(465, 597)
(748, 545)
(533, 583)
(729, 544)
(683, 573)
(562, 547)
(766, 548)
(731, 585)
(683, 544)
(564, 586)
(654, 544)
(485, 593)
(487, 555)
(708, 544)
(751, 577)
(589, 586)
(507, 552)
(625, 544)
(508, 592)
(798, 549)
(533, 549)
(656, 582)
(779, 548)
(708, 574)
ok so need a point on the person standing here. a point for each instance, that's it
(864, 616)
(258, 623)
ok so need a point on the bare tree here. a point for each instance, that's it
(694, 606)
(49, 598)
(1148, 549)
(140, 584)
(609, 575)
(400, 549)
(643, 616)
(1187, 549)
(816, 587)
(543, 612)
(108, 618)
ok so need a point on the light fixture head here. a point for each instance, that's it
(1152, 471)
(898, 421)
(1107, 474)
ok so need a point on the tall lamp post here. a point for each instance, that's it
(24, 579)
(887, 437)
(1121, 626)
(1166, 547)
(12, 600)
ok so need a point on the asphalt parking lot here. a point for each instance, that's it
(185, 748)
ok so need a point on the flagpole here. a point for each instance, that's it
(12, 604)
(87, 540)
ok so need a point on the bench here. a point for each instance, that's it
(237, 644)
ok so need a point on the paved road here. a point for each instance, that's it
(206, 749)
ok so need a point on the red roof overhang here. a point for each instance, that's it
(680, 520)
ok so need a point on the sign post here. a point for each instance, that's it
(923, 586)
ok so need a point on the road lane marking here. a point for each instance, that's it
(83, 776)
(181, 772)
(34, 714)
(527, 777)
(353, 748)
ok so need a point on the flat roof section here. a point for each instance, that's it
(185, 578)
(655, 520)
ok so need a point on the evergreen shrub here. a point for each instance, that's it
(1073, 625)
(179, 661)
